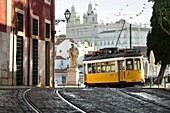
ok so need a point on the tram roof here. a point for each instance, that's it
(106, 53)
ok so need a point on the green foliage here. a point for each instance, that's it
(158, 40)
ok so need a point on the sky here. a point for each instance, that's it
(133, 11)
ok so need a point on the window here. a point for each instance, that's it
(35, 27)
(103, 66)
(20, 22)
(100, 42)
(47, 34)
(61, 63)
(94, 68)
(89, 68)
(112, 66)
(104, 42)
(84, 66)
(93, 19)
(63, 79)
(48, 2)
(108, 42)
(129, 64)
(137, 64)
(121, 65)
(98, 65)
(107, 66)
(60, 51)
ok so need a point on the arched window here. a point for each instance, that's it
(108, 43)
(100, 42)
(93, 19)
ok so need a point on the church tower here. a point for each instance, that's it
(74, 19)
(82, 31)
(90, 16)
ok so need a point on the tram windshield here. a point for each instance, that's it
(133, 64)
(137, 64)
(129, 64)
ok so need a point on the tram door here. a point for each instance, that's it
(121, 70)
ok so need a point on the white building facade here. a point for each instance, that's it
(109, 35)
(105, 35)
(62, 61)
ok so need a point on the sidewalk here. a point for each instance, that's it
(16, 87)
(70, 86)
(167, 85)
(155, 86)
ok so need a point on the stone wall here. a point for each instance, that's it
(5, 78)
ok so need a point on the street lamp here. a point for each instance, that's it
(67, 15)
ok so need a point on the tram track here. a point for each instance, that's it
(140, 98)
(30, 104)
(68, 102)
(64, 101)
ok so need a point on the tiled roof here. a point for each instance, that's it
(61, 70)
(111, 31)
(60, 57)
(60, 40)
(143, 49)
(133, 28)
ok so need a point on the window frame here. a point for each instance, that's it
(89, 68)
(139, 64)
(98, 67)
(129, 64)
(33, 35)
(113, 64)
(48, 2)
(47, 22)
(22, 29)
(21, 33)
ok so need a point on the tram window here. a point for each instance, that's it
(84, 68)
(93, 68)
(129, 64)
(112, 66)
(103, 67)
(107, 66)
(89, 68)
(137, 65)
(121, 65)
(98, 65)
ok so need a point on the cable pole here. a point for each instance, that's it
(130, 36)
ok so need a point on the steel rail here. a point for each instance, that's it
(30, 104)
(144, 100)
(58, 94)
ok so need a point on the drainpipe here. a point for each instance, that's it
(130, 36)
(13, 58)
(28, 73)
(53, 44)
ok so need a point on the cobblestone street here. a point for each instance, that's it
(11, 101)
(96, 100)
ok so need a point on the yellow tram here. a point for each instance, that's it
(114, 67)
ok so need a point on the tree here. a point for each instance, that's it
(158, 38)
(163, 8)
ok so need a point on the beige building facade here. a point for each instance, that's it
(27, 43)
